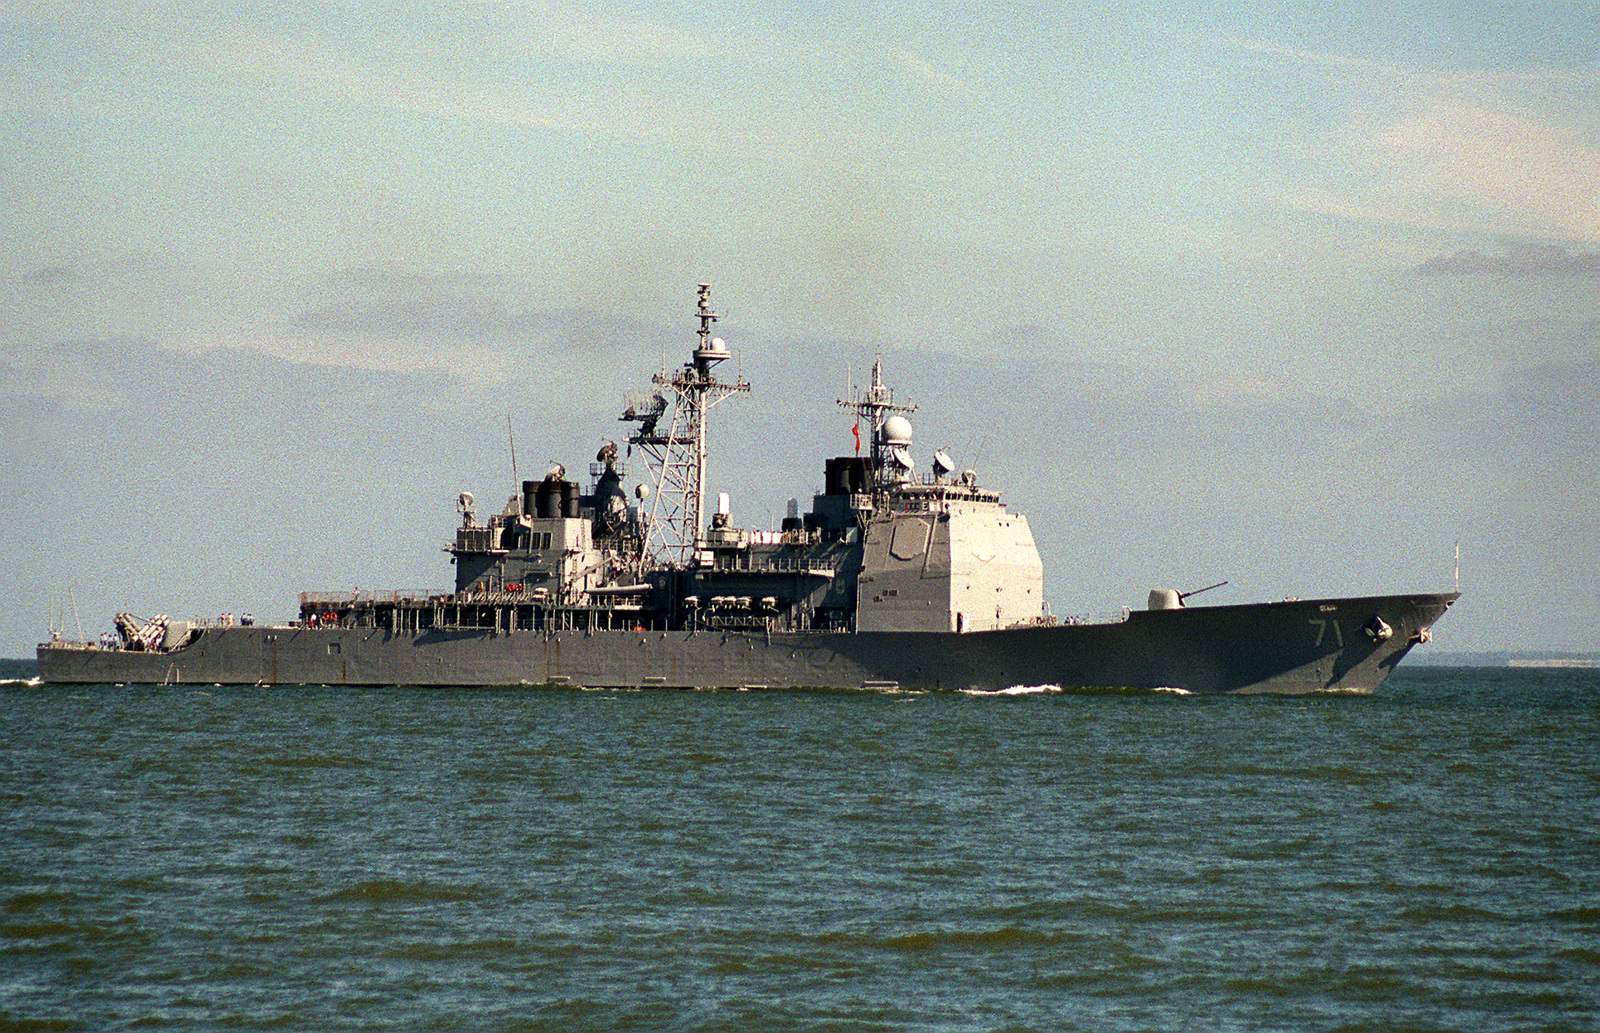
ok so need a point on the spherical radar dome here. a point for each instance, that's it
(897, 431)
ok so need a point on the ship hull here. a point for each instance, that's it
(1293, 648)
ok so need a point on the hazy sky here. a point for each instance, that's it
(1295, 295)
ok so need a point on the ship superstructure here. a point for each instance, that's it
(889, 578)
(878, 550)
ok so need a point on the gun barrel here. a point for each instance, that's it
(1197, 591)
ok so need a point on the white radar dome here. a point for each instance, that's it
(897, 431)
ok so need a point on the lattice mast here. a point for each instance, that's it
(677, 458)
(888, 456)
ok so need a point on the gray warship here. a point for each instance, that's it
(890, 581)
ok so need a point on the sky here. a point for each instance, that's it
(1303, 297)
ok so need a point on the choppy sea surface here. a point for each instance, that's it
(352, 859)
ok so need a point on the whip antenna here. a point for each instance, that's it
(512, 438)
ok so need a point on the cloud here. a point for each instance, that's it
(581, 35)
(50, 274)
(469, 363)
(1215, 392)
(452, 316)
(476, 329)
(1529, 260)
(473, 337)
(1483, 150)
(1348, 67)
(1539, 172)
(456, 306)
(536, 66)
(1475, 169)
(60, 377)
(941, 81)
(554, 69)
(475, 344)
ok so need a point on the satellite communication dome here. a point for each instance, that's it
(897, 431)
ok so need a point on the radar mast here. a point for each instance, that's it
(677, 455)
(874, 409)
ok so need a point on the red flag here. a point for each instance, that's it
(856, 430)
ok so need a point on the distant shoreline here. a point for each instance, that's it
(1540, 658)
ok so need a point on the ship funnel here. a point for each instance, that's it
(549, 495)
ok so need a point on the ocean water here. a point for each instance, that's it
(335, 859)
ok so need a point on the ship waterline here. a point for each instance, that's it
(1291, 647)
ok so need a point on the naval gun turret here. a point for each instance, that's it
(1172, 599)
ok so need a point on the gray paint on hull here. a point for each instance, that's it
(1288, 647)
